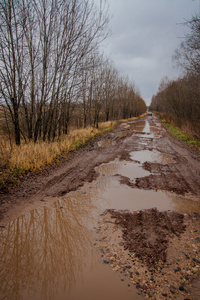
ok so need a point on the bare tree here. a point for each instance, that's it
(42, 46)
(11, 61)
(188, 54)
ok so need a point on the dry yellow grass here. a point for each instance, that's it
(33, 156)
(133, 118)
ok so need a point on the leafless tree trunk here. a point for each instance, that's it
(42, 45)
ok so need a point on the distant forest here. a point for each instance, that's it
(53, 75)
(179, 100)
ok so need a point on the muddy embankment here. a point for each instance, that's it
(146, 186)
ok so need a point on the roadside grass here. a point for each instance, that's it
(16, 161)
(181, 135)
(132, 119)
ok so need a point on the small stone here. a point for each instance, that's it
(181, 288)
(177, 270)
(196, 260)
(137, 273)
(128, 267)
(138, 286)
(195, 270)
(172, 290)
(106, 262)
(144, 287)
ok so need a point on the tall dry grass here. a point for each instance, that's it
(33, 156)
(15, 160)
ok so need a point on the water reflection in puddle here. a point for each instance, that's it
(42, 251)
(119, 196)
(122, 197)
(138, 126)
(143, 127)
(152, 156)
(49, 254)
(127, 169)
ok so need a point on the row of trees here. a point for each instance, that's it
(180, 99)
(51, 71)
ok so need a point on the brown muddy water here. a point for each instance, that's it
(50, 253)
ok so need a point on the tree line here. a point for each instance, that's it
(179, 99)
(52, 73)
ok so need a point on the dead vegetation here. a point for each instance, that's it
(17, 160)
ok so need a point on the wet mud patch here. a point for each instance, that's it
(167, 182)
(158, 251)
(125, 156)
(146, 233)
(125, 180)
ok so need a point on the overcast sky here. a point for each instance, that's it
(145, 34)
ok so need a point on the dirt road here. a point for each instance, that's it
(181, 175)
(130, 163)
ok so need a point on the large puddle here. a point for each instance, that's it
(49, 253)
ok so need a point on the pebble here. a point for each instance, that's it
(106, 262)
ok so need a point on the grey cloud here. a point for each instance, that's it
(145, 36)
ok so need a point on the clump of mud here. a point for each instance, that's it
(159, 252)
(147, 232)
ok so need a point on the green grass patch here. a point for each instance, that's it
(181, 135)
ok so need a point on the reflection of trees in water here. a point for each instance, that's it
(139, 126)
(110, 168)
(45, 250)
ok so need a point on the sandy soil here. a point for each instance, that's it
(167, 272)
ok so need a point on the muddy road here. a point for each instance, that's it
(62, 234)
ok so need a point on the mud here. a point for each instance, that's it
(135, 168)
(146, 233)
(181, 176)
(162, 261)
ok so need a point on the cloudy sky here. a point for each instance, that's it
(145, 34)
